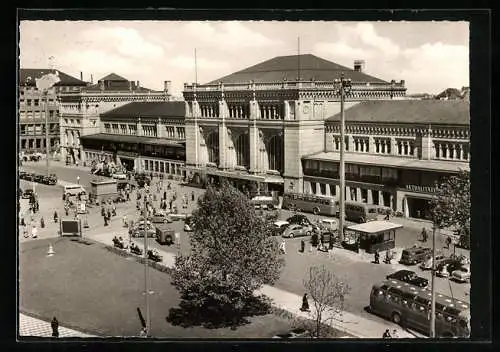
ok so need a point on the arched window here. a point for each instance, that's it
(275, 153)
(242, 147)
(213, 147)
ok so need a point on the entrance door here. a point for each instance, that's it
(419, 208)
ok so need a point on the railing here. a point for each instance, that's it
(290, 85)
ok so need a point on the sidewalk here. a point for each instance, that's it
(29, 326)
(350, 323)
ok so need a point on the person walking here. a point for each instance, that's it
(42, 223)
(302, 246)
(305, 303)
(77, 178)
(192, 196)
(283, 247)
(56, 217)
(424, 235)
(377, 258)
(54, 324)
(34, 232)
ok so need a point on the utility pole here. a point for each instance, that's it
(146, 268)
(433, 287)
(343, 86)
(47, 142)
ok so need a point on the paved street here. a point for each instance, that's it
(358, 270)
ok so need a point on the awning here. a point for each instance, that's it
(120, 138)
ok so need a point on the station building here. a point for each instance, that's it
(275, 127)
(142, 136)
(80, 110)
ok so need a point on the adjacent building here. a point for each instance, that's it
(141, 136)
(34, 105)
(80, 110)
(254, 126)
(395, 152)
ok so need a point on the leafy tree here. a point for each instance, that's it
(451, 206)
(232, 254)
(327, 293)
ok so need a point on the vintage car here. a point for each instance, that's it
(410, 277)
(296, 230)
(462, 274)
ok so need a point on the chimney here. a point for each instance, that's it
(166, 86)
(359, 65)
(91, 79)
(137, 85)
(81, 76)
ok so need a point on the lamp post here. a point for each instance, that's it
(433, 286)
(146, 268)
(342, 87)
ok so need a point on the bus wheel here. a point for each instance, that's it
(316, 211)
(396, 318)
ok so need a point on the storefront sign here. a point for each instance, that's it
(421, 189)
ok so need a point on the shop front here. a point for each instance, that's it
(416, 201)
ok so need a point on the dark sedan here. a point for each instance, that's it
(299, 219)
(410, 277)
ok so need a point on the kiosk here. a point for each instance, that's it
(103, 189)
(373, 236)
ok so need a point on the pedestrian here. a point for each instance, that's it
(55, 327)
(174, 197)
(56, 217)
(113, 209)
(23, 223)
(77, 179)
(34, 232)
(128, 195)
(377, 258)
(302, 246)
(42, 223)
(424, 235)
(283, 247)
(448, 242)
(386, 334)
(105, 220)
(387, 214)
(103, 211)
(109, 214)
(192, 196)
(305, 303)
(124, 219)
(165, 195)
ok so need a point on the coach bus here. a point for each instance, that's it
(309, 203)
(359, 212)
(410, 306)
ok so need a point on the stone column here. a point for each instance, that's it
(350, 142)
(380, 198)
(406, 211)
(394, 146)
(307, 187)
(328, 193)
(348, 193)
(318, 188)
(391, 202)
(286, 110)
(369, 197)
(222, 144)
(337, 191)
(358, 194)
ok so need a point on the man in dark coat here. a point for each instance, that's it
(305, 303)
(55, 327)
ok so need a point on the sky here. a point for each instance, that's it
(429, 56)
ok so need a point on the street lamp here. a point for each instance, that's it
(146, 266)
(342, 86)
(433, 287)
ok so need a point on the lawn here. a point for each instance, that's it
(90, 288)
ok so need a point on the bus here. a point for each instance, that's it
(309, 203)
(410, 306)
(359, 212)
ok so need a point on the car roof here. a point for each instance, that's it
(281, 222)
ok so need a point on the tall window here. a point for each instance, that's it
(180, 132)
(132, 129)
(115, 128)
(242, 147)
(213, 147)
(123, 128)
(275, 153)
(107, 128)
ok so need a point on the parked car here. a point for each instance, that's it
(462, 274)
(138, 229)
(426, 264)
(161, 219)
(119, 176)
(447, 266)
(408, 276)
(299, 219)
(414, 255)
(39, 178)
(52, 179)
(29, 176)
(280, 226)
(22, 175)
(27, 194)
(296, 333)
(296, 230)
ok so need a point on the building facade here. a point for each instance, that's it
(395, 152)
(34, 105)
(80, 111)
(141, 136)
(254, 126)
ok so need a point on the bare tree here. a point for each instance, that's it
(327, 293)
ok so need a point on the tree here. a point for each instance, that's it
(232, 254)
(327, 293)
(451, 205)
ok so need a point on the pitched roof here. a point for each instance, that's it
(286, 67)
(27, 77)
(149, 109)
(113, 77)
(455, 112)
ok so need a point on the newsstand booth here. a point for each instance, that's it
(374, 236)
